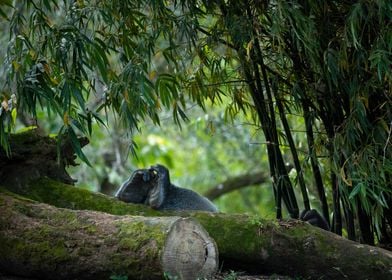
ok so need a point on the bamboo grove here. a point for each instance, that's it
(327, 62)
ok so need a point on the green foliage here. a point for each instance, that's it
(325, 64)
(58, 58)
(343, 78)
(231, 276)
(206, 152)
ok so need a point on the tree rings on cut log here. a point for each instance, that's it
(189, 252)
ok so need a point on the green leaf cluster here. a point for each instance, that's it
(324, 63)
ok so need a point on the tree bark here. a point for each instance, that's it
(245, 242)
(236, 183)
(44, 242)
(34, 156)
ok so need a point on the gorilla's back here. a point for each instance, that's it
(185, 199)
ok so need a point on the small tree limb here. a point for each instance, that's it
(236, 183)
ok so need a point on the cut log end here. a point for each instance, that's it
(189, 252)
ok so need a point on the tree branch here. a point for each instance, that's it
(236, 183)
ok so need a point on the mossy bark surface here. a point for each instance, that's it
(248, 242)
(34, 156)
(44, 242)
(292, 248)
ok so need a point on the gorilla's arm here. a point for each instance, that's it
(136, 189)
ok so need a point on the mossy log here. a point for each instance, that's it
(44, 242)
(248, 242)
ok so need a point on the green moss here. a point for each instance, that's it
(36, 253)
(222, 229)
(86, 251)
(66, 196)
(60, 253)
(137, 238)
(5, 190)
(28, 134)
(43, 241)
(135, 235)
(91, 229)
(47, 253)
(24, 209)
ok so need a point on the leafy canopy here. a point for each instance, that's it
(328, 61)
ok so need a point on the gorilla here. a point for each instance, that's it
(152, 187)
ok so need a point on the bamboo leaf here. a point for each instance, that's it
(76, 145)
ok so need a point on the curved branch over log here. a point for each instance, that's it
(236, 183)
(41, 241)
(248, 243)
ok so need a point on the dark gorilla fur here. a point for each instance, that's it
(314, 218)
(153, 187)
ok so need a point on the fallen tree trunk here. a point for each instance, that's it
(248, 243)
(40, 241)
